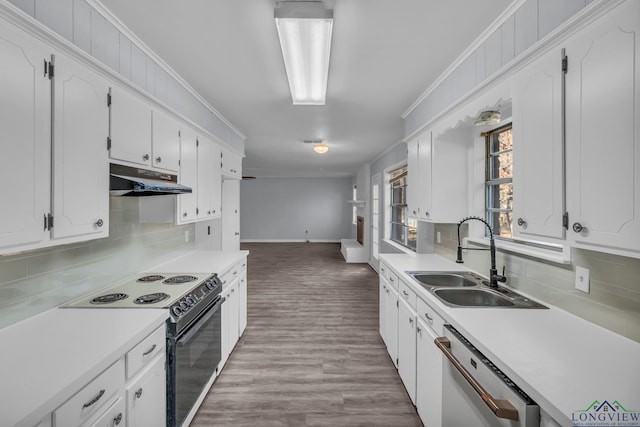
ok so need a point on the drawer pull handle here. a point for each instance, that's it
(501, 408)
(391, 279)
(429, 318)
(94, 400)
(405, 293)
(139, 393)
(148, 352)
(117, 419)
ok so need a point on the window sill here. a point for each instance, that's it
(563, 257)
(399, 246)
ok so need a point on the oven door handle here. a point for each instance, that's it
(501, 408)
(200, 321)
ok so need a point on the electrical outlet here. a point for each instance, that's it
(582, 279)
(438, 237)
(186, 235)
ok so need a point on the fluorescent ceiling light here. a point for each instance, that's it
(304, 28)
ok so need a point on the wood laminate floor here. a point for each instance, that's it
(311, 354)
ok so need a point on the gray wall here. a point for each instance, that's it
(77, 22)
(282, 209)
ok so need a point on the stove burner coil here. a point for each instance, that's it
(150, 278)
(176, 280)
(151, 298)
(108, 298)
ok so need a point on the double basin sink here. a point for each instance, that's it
(466, 289)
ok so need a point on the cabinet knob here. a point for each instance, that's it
(117, 419)
(139, 393)
(146, 157)
(184, 214)
(522, 223)
(208, 212)
(158, 159)
(236, 233)
(99, 223)
(577, 227)
(414, 212)
(426, 214)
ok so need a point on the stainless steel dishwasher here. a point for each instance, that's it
(475, 392)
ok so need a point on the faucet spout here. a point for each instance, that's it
(494, 277)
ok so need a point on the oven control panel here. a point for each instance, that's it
(205, 292)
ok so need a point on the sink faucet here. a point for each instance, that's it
(494, 277)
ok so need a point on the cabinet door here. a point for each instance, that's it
(449, 176)
(112, 417)
(25, 112)
(165, 142)
(538, 149)
(424, 192)
(80, 157)
(413, 177)
(242, 303)
(146, 397)
(392, 324)
(231, 164)
(428, 377)
(209, 180)
(384, 292)
(603, 131)
(230, 215)
(188, 176)
(229, 320)
(407, 347)
(130, 128)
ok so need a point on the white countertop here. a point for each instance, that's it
(563, 362)
(201, 262)
(47, 358)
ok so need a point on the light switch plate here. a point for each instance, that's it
(582, 279)
(438, 237)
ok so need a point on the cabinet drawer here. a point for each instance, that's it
(392, 278)
(407, 294)
(430, 317)
(228, 276)
(91, 398)
(146, 350)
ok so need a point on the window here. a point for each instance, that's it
(354, 209)
(499, 176)
(403, 229)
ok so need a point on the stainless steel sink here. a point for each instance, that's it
(467, 289)
(449, 279)
(472, 298)
(499, 297)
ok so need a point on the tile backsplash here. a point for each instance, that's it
(614, 298)
(35, 281)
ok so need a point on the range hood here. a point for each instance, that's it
(138, 182)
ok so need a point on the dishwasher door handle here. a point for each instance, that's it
(501, 408)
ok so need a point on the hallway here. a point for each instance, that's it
(311, 354)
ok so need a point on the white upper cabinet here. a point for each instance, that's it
(413, 179)
(187, 203)
(26, 131)
(538, 150)
(80, 156)
(603, 131)
(230, 163)
(130, 128)
(209, 180)
(442, 173)
(166, 142)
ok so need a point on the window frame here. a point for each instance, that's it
(490, 209)
(409, 226)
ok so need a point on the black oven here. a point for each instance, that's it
(194, 350)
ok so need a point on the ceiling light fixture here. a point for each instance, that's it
(489, 117)
(321, 148)
(304, 29)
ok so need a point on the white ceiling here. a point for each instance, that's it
(384, 55)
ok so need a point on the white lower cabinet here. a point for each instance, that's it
(229, 319)
(112, 417)
(429, 365)
(146, 396)
(242, 298)
(407, 347)
(391, 331)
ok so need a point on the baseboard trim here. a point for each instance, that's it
(289, 241)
